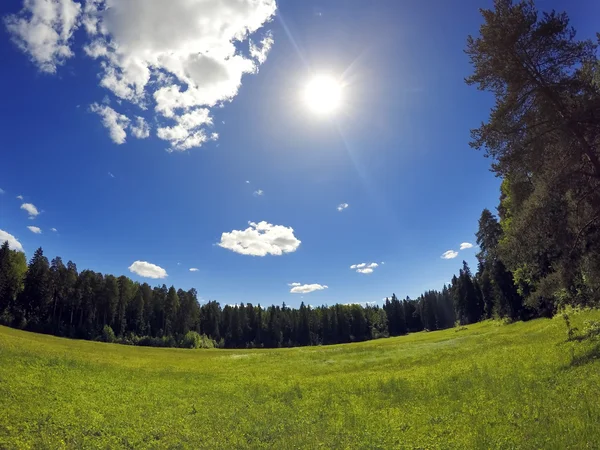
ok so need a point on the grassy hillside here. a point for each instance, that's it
(490, 386)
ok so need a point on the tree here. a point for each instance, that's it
(13, 267)
(542, 135)
(171, 308)
(37, 292)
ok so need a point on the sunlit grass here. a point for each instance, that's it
(490, 386)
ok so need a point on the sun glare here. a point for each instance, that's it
(323, 94)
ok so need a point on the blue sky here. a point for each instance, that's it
(396, 151)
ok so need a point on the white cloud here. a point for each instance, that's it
(364, 268)
(1, 191)
(247, 181)
(258, 193)
(449, 254)
(147, 270)
(193, 269)
(294, 284)
(53, 229)
(140, 129)
(181, 56)
(114, 122)
(13, 242)
(19, 197)
(261, 239)
(31, 209)
(43, 29)
(342, 206)
(110, 175)
(306, 288)
(35, 230)
(466, 245)
(260, 52)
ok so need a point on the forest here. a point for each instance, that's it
(538, 253)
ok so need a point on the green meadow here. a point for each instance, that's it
(490, 385)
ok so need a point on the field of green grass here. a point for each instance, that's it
(490, 386)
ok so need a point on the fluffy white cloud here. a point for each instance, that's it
(258, 193)
(43, 29)
(261, 239)
(19, 197)
(466, 245)
(31, 209)
(450, 254)
(13, 242)
(147, 270)
(182, 55)
(114, 122)
(53, 229)
(342, 206)
(193, 269)
(260, 52)
(364, 268)
(298, 288)
(140, 128)
(35, 230)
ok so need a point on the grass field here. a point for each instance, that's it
(490, 386)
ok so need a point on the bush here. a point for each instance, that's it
(191, 340)
(195, 340)
(108, 335)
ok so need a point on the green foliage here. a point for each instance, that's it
(195, 340)
(108, 335)
(542, 135)
(485, 387)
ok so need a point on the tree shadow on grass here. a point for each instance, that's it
(589, 355)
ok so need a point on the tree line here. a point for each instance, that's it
(51, 297)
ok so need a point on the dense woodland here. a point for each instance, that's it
(540, 252)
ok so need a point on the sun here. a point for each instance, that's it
(323, 94)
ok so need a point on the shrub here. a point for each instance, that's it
(108, 335)
(195, 340)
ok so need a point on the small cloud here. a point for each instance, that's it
(364, 268)
(140, 129)
(114, 122)
(147, 270)
(31, 209)
(13, 242)
(194, 269)
(1, 191)
(294, 284)
(54, 229)
(342, 206)
(450, 254)
(258, 193)
(382, 262)
(306, 288)
(19, 197)
(466, 245)
(261, 239)
(247, 182)
(110, 175)
(35, 230)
